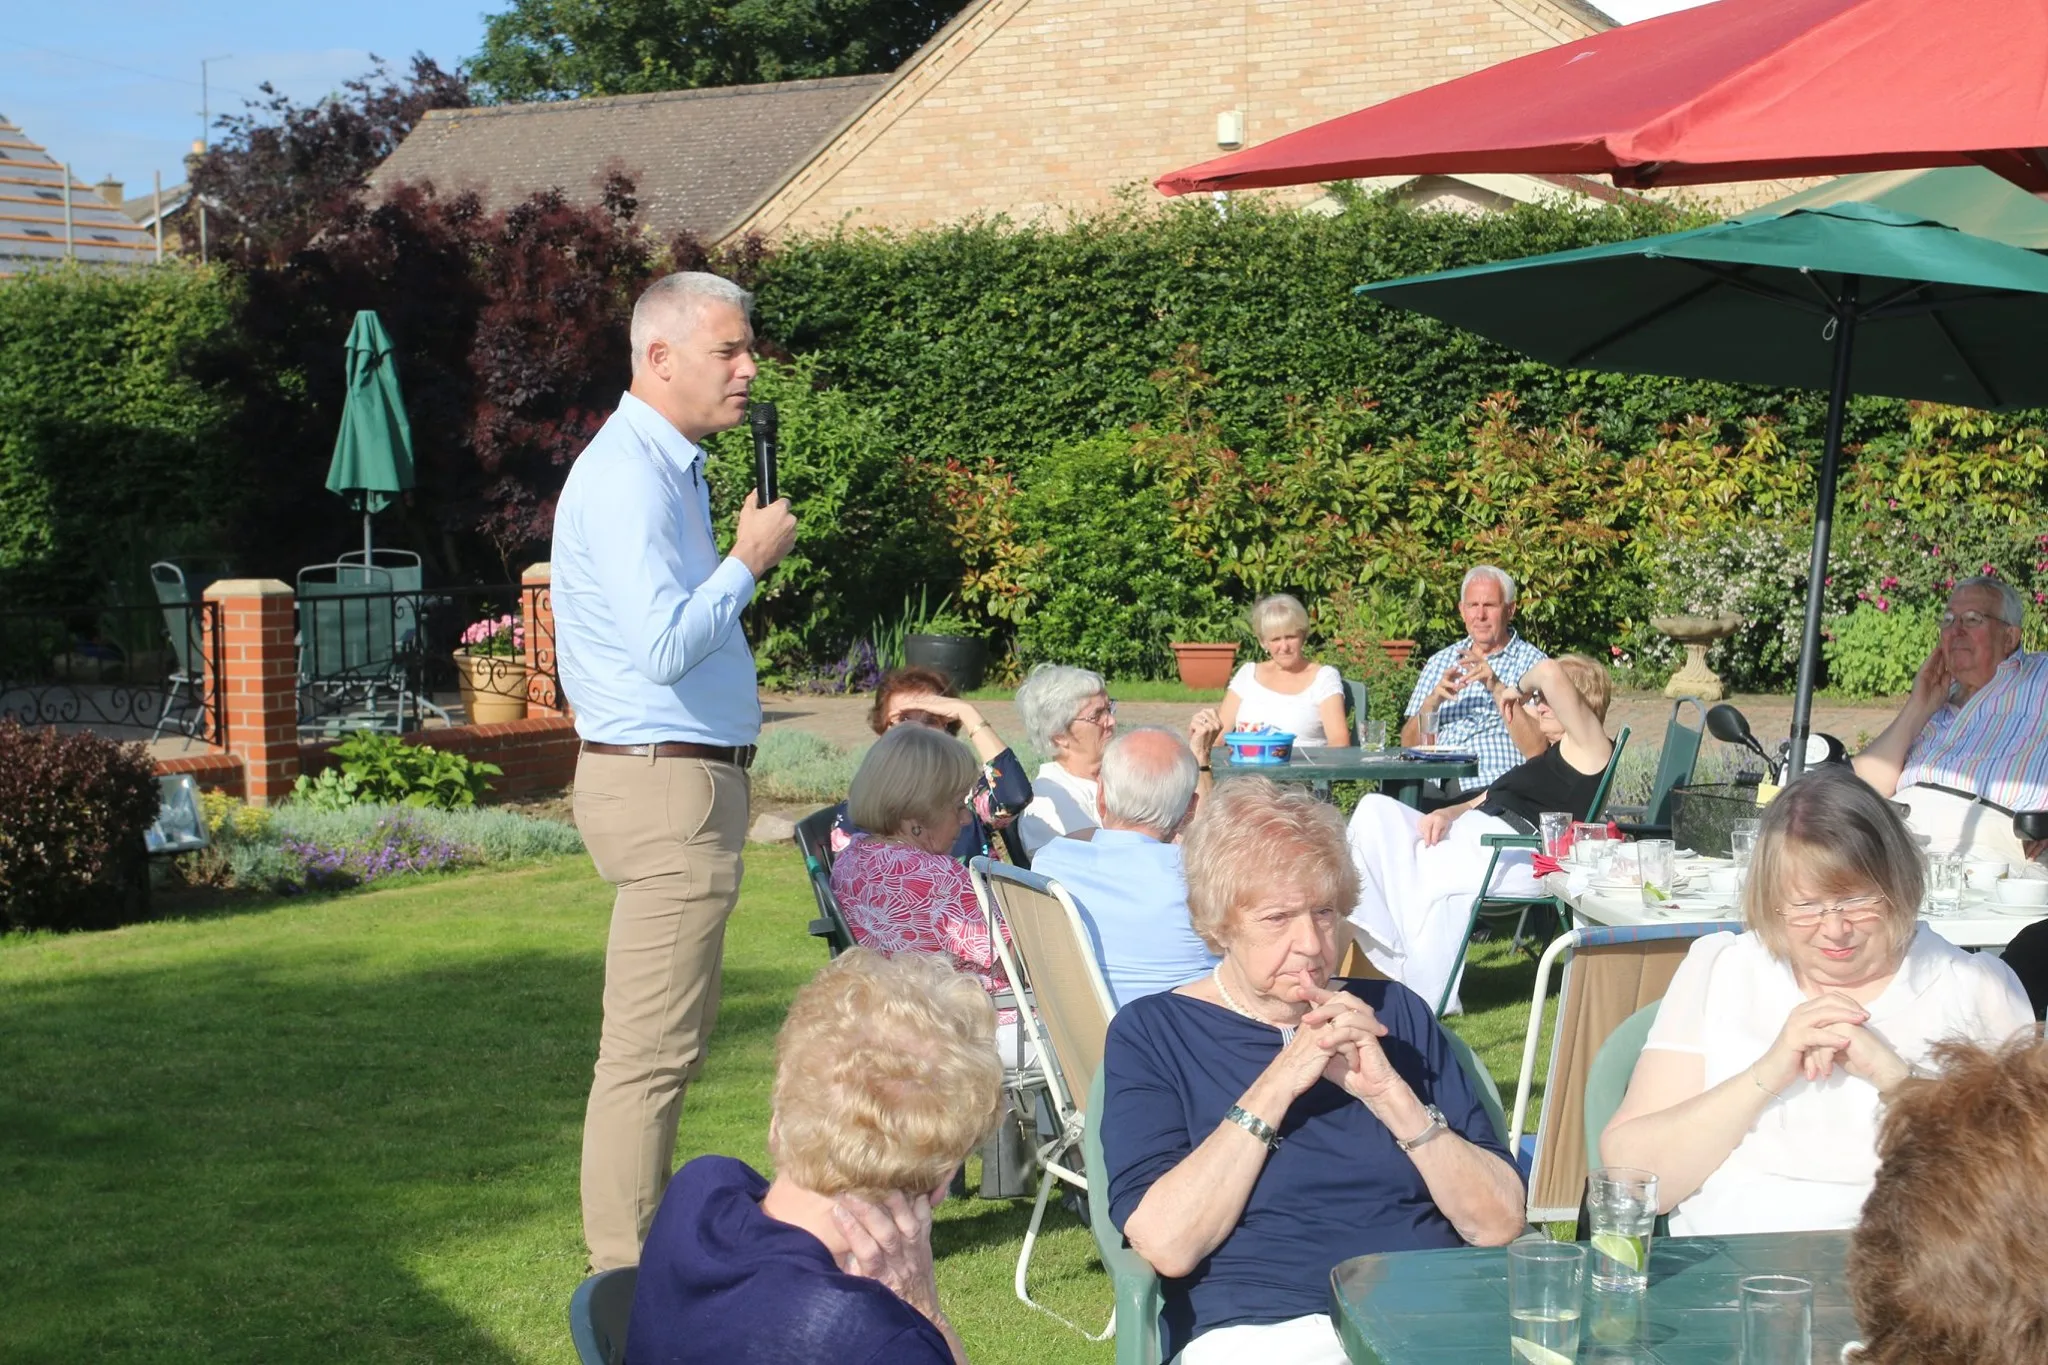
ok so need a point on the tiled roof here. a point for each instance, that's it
(699, 158)
(32, 193)
(141, 208)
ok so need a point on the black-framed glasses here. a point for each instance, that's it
(1535, 698)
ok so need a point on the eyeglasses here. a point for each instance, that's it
(1102, 717)
(1969, 620)
(1858, 911)
(1535, 698)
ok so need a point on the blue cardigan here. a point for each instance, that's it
(1337, 1187)
(721, 1281)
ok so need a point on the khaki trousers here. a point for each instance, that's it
(667, 832)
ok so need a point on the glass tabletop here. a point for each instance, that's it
(1442, 1306)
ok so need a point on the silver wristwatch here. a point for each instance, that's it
(1437, 1124)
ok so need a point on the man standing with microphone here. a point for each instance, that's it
(647, 636)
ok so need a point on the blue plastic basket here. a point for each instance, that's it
(1260, 748)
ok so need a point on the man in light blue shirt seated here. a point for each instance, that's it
(1127, 876)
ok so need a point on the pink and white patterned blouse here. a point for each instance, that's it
(899, 899)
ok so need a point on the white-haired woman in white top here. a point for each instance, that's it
(1285, 692)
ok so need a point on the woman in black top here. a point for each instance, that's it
(1418, 873)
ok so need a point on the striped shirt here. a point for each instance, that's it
(1994, 745)
(1470, 720)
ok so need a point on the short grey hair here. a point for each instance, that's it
(1497, 574)
(1138, 789)
(670, 297)
(913, 773)
(1277, 612)
(1051, 698)
(2012, 608)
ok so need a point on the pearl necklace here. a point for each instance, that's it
(1286, 1030)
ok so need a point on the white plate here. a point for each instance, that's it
(1693, 908)
(1607, 886)
(1999, 907)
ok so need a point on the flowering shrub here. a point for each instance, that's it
(1755, 570)
(502, 638)
(398, 844)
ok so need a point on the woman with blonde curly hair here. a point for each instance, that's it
(1387, 1144)
(885, 1078)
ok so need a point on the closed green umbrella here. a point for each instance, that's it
(1847, 297)
(373, 450)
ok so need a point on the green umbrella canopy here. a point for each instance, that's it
(1966, 197)
(1940, 315)
(1847, 297)
(373, 450)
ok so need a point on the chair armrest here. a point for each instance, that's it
(1630, 830)
(1511, 841)
(1138, 1304)
(2031, 825)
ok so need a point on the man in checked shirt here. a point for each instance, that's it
(1462, 684)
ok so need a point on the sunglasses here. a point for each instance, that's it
(1535, 698)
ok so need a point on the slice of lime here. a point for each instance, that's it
(1623, 1250)
(1538, 1354)
(1654, 893)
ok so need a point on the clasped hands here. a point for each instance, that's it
(1823, 1033)
(891, 1242)
(1338, 1039)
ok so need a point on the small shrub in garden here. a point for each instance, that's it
(397, 844)
(72, 812)
(1877, 649)
(385, 770)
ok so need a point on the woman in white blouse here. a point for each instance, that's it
(1757, 1095)
(1068, 714)
(1286, 692)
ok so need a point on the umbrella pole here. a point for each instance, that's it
(366, 531)
(1823, 527)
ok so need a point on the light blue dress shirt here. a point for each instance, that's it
(647, 613)
(1134, 900)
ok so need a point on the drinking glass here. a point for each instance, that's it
(1557, 832)
(1653, 859)
(1742, 840)
(1589, 842)
(1944, 883)
(1425, 725)
(1622, 1205)
(1546, 1282)
(1777, 1320)
(1372, 735)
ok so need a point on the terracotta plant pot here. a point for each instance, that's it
(493, 689)
(1205, 667)
(1398, 651)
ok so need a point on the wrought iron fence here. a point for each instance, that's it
(129, 673)
(393, 660)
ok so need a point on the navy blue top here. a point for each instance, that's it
(721, 1281)
(1337, 1187)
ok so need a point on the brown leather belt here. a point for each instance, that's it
(741, 756)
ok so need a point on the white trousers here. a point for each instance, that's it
(1954, 825)
(1298, 1341)
(1415, 900)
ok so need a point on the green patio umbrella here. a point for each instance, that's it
(1847, 297)
(373, 451)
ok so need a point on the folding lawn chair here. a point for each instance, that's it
(814, 840)
(179, 594)
(1065, 1008)
(1609, 974)
(1675, 762)
(348, 648)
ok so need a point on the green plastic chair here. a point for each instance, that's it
(1607, 1080)
(1489, 1092)
(1675, 762)
(598, 1312)
(1501, 843)
(1136, 1284)
(814, 840)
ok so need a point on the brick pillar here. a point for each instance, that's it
(543, 697)
(259, 683)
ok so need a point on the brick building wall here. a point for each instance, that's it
(1033, 107)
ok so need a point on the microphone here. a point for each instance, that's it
(764, 419)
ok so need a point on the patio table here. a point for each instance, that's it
(1400, 778)
(1437, 1307)
(1976, 926)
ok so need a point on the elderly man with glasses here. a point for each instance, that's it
(1970, 746)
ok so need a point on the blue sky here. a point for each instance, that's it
(113, 85)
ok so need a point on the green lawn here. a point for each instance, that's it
(347, 1129)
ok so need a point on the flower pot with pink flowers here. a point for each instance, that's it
(491, 668)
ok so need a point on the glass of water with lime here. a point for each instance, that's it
(1622, 1205)
(1546, 1286)
(1654, 857)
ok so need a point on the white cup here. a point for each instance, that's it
(1726, 881)
(1983, 873)
(2021, 891)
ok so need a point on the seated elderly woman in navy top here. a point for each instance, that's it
(1419, 873)
(885, 1078)
(1266, 1122)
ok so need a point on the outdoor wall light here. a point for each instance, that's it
(1230, 128)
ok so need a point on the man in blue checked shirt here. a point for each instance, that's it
(648, 640)
(1463, 684)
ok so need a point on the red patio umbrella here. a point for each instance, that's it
(1739, 90)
